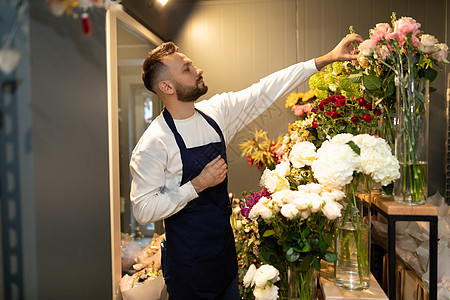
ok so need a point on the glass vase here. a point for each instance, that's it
(411, 140)
(301, 283)
(352, 269)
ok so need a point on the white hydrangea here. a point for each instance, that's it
(336, 163)
(377, 159)
(302, 153)
(273, 182)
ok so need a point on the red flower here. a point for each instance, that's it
(368, 106)
(335, 115)
(314, 124)
(314, 110)
(340, 102)
(329, 113)
(249, 160)
(354, 119)
(377, 112)
(361, 102)
(367, 118)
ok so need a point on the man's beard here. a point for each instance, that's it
(190, 93)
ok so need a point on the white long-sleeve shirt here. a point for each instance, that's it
(156, 161)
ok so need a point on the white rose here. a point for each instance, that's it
(441, 55)
(314, 188)
(264, 274)
(332, 210)
(303, 153)
(273, 182)
(283, 197)
(427, 44)
(333, 195)
(283, 169)
(289, 211)
(266, 293)
(316, 203)
(301, 201)
(248, 278)
(305, 214)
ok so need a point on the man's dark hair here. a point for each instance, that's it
(153, 67)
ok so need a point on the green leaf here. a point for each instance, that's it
(291, 255)
(316, 263)
(432, 89)
(430, 74)
(323, 246)
(306, 248)
(355, 77)
(354, 147)
(372, 82)
(268, 233)
(330, 257)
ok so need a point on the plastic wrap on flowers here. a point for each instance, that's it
(147, 283)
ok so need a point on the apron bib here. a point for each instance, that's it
(199, 255)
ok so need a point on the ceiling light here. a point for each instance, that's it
(162, 2)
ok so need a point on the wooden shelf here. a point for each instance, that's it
(387, 204)
(332, 292)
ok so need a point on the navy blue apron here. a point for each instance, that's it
(199, 255)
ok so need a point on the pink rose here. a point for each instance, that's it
(382, 52)
(301, 110)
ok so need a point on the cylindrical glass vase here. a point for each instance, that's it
(411, 140)
(301, 283)
(352, 269)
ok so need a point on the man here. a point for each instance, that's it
(179, 166)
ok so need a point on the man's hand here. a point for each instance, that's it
(340, 52)
(213, 174)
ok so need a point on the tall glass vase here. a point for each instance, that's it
(411, 140)
(301, 283)
(352, 269)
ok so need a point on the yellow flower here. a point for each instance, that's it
(292, 99)
(308, 95)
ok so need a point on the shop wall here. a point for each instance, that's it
(238, 42)
(61, 158)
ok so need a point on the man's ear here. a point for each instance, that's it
(166, 87)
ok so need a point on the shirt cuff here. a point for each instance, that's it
(188, 192)
(311, 65)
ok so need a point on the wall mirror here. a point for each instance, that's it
(131, 108)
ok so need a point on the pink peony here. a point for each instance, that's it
(380, 32)
(406, 25)
(367, 47)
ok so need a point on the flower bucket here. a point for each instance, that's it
(411, 140)
(352, 268)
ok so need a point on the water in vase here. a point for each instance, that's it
(352, 271)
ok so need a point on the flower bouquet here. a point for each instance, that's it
(296, 220)
(407, 56)
(341, 163)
